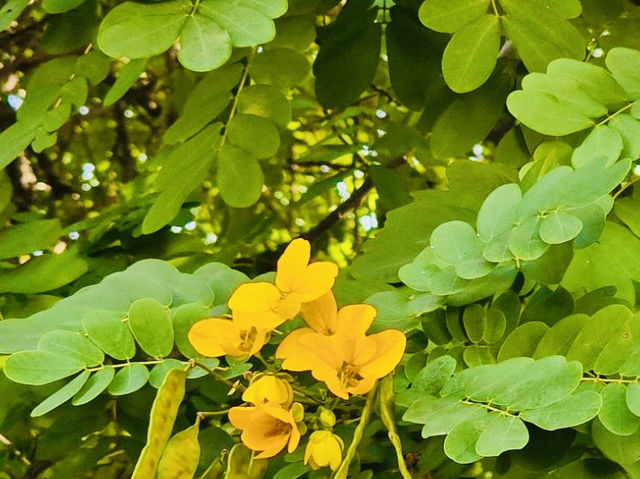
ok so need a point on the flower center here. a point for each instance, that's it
(248, 337)
(349, 375)
(279, 428)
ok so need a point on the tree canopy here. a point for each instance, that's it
(317, 239)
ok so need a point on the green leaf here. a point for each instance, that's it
(474, 320)
(561, 336)
(622, 449)
(255, 134)
(629, 129)
(496, 326)
(183, 317)
(603, 143)
(457, 243)
(434, 375)
(188, 166)
(525, 242)
(209, 98)
(633, 398)
(498, 212)
(471, 55)
(59, 6)
(390, 187)
(469, 119)
(44, 88)
(94, 386)
(539, 35)
(348, 57)
(414, 54)
(265, 101)
(204, 44)
(140, 30)
(10, 11)
(613, 261)
(40, 367)
(559, 227)
(523, 340)
(292, 471)
(440, 416)
(567, 90)
(539, 384)
(618, 348)
(441, 16)
(271, 8)
(239, 176)
(627, 209)
(546, 114)
(594, 80)
(502, 433)
(571, 411)
(221, 279)
(129, 74)
(460, 444)
(624, 64)
(593, 337)
(43, 273)
(150, 324)
(106, 329)
(615, 414)
(26, 238)
(280, 67)
(14, 140)
(71, 344)
(247, 26)
(129, 379)
(62, 395)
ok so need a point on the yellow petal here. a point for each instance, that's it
(295, 355)
(317, 279)
(334, 385)
(257, 297)
(362, 387)
(211, 336)
(268, 388)
(241, 417)
(322, 313)
(274, 446)
(292, 265)
(390, 346)
(362, 350)
(355, 319)
(267, 320)
(288, 307)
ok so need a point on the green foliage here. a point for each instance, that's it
(471, 165)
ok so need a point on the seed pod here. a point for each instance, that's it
(181, 455)
(242, 465)
(163, 415)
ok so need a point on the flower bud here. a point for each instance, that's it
(297, 410)
(327, 418)
(323, 449)
(268, 388)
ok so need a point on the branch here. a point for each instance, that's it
(352, 202)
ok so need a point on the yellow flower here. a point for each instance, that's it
(237, 338)
(323, 449)
(349, 361)
(268, 388)
(296, 282)
(268, 428)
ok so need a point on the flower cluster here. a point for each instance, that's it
(334, 347)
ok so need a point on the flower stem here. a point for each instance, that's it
(343, 470)
(386, 414)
